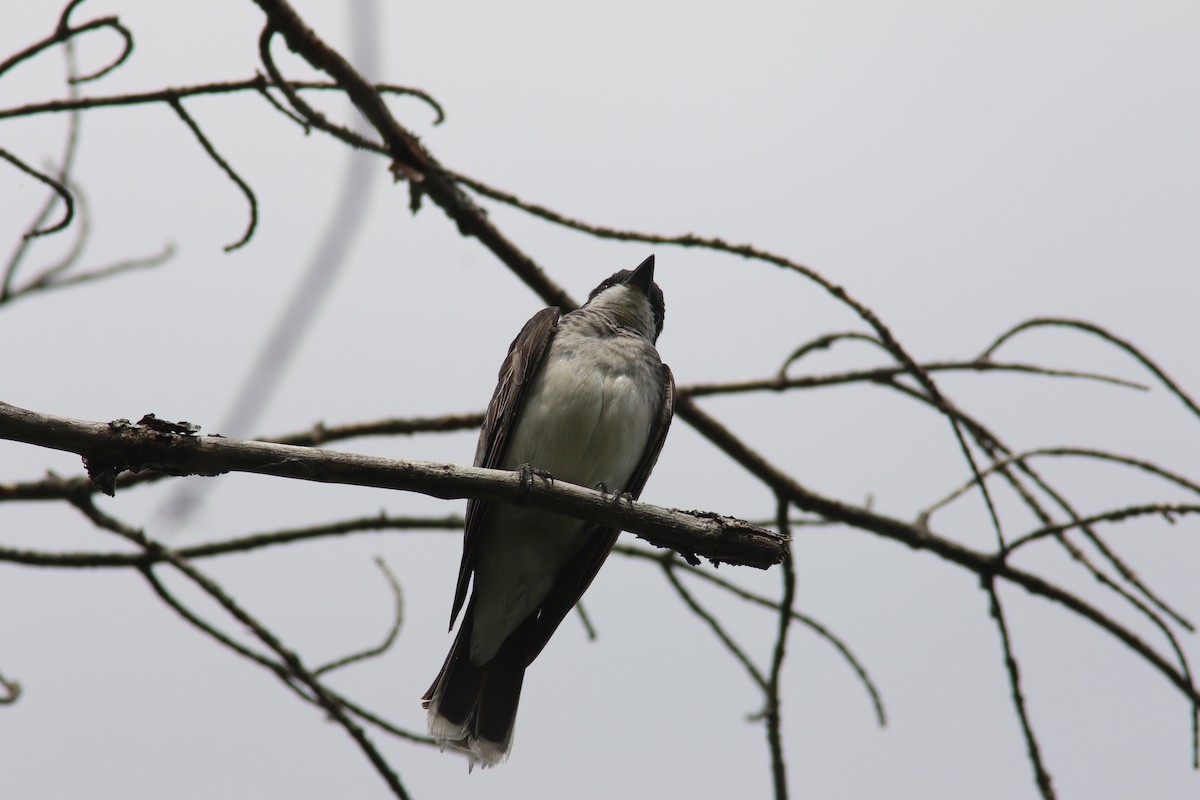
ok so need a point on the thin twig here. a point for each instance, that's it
(737, 591)
(1167, 511)
(65, 167)
(280, 670)
(290, 660)
(236, 545)
(999, 453)
(1040, 774)
(1112, 338)
(717, 628)
(99, 273)
(58, 187)
(177, 106)
(1081, 452)
(65, 33)
(393, 631)
(885, 374)
(257, 84)
(773, 713)
(922, 539)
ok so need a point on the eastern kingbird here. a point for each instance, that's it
(584, 398)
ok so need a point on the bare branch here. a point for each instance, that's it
(241, 544)
(257, 84)
(737, 591)
(1040, 774)
(410, 159)
(290, 660)
(717, 628)
(393, 631)
(1167, 511)
(224, 165)
(1082, 452)
(57, 186)
(886, 374)
(1096, 330)
(773, 712)
(54, 487)
(112, 448)
(65, 32)
(922, 539)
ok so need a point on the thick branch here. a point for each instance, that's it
(111, 448)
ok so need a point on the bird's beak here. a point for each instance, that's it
(642, 278)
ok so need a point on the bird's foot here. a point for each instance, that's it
(602, 487)
(528, 472)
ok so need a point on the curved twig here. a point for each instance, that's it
(1082, 452)
(65, 33)
(823, 342)
(393, 631)
(1096, 330)
(177, 106)
(887, 374)
(1167, 511)
(57, 186)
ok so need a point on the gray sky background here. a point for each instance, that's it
(957, 167)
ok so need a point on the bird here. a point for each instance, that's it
(582, 397)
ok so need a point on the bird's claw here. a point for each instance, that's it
(602, 487)
(527, 472)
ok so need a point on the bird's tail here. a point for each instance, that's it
(472, 707)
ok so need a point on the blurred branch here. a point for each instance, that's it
(348, 212)
(10, 691)
(73, 199)
(42, 283)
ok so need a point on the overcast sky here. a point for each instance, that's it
(958, 167)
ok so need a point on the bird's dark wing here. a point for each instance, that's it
(579, 571)
(524, 355)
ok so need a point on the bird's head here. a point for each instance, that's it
(633, 297)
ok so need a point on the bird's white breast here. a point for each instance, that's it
(586, 419)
